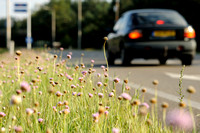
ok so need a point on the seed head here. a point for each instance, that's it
(191, 89)
(66, 103)
(120, 97)
(182, 104)
(155, 82)
(116, 80)
(18, 53)
(15, 100)
(126, 81)
(144, 90)
(101, 110)
(55, 56)
(135, 102)
(105, 38)
(165, 105)
(149, 122)
(153, 100)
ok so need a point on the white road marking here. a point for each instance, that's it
(189, 77)
(164, 95)
(167, 96)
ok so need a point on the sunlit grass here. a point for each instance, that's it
(44, 93)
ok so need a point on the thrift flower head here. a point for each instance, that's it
(84, 72)
(90, 95)
(145, 104)
(106, 112)
(95, 116)
(116, 80)
(15, 99)
(29, 111)
(115, 130)
(25, 87)
(100, 95)
(18, 129)
(92, 61)
(40, 120)
(99, 84)
(2, 114)
(111, 94)
(65, 111)
(69, 56)
(179, 119)
(126, 96)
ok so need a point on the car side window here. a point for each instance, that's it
(118, 25)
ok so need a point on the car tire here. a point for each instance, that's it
(125, 58)
(111, 58)
(186, 60)
(162, 61)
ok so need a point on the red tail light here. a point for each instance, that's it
(135, 34)
(160, 22)
(189, 32)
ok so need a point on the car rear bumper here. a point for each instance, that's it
(156, 49)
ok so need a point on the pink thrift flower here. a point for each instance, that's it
(92, 61)
(99, 84)
(126, 96)
(29, 111)
(100, 95)
(74, 93)
(40, 120)
(40, 92)
(106, 112)
(25, 87)
(84, 72)
(102, 67)
(90, 95)
(179, 119)
(111, 94)
(69, 56)
(73, 86)
(145, 104)
(98, 75)
(61, 49)
(2, 114)
(115, 130)
(95, 116)
(80, 94)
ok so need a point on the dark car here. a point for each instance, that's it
(152, 34)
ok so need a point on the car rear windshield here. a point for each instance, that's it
(162, 18)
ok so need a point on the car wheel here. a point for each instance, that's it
(162, 61)
(125, 58)
(111, 58)
(186, 60)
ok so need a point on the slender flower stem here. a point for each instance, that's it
(104, 50)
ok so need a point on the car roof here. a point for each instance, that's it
(149, 10)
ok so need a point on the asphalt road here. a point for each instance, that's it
(141, 73)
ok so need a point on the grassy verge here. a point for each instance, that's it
(44, 93)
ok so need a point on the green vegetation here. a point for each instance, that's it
(45, 93)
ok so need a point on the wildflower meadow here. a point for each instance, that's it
(46, 93)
